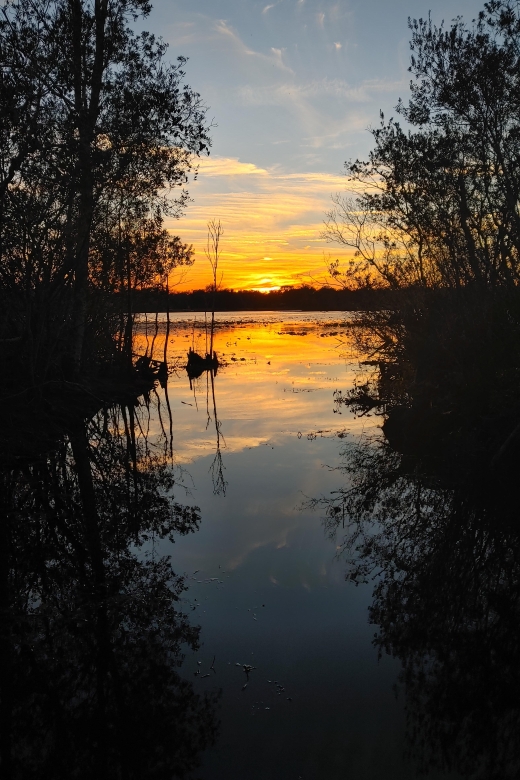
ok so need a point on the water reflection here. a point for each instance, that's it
(432, 517)
(277, 375)
(92, 636)
(217, 465)
(264, 581)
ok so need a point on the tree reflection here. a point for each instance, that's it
(217, 465)
(92, 636)
(439, 535)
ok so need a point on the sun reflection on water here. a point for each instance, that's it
(276, 378)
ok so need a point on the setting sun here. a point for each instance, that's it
(265, 289)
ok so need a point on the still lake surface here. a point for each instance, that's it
(266, 584)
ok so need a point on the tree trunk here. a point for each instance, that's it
(87, 113)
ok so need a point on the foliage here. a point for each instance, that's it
(440, 207)
(96, 129)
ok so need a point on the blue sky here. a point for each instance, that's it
(292, 86)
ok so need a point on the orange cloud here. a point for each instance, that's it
(272, 224)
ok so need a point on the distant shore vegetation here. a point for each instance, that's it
(304, 297)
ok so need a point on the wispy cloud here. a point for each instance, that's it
(337, 88)
(275, 58)
(324, 111)
(277, 83)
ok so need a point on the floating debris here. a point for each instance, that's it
(247, 669)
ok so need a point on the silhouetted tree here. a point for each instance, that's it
(98, 129)
(440, 207)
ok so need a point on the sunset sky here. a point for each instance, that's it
(292, 87)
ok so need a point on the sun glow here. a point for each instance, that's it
(272, 223)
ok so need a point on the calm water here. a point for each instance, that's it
(265, 582)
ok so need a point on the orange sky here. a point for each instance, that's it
(292, 89)
(272, 223)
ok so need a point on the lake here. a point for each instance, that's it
(251, 447)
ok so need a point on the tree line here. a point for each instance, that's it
(304, 297)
